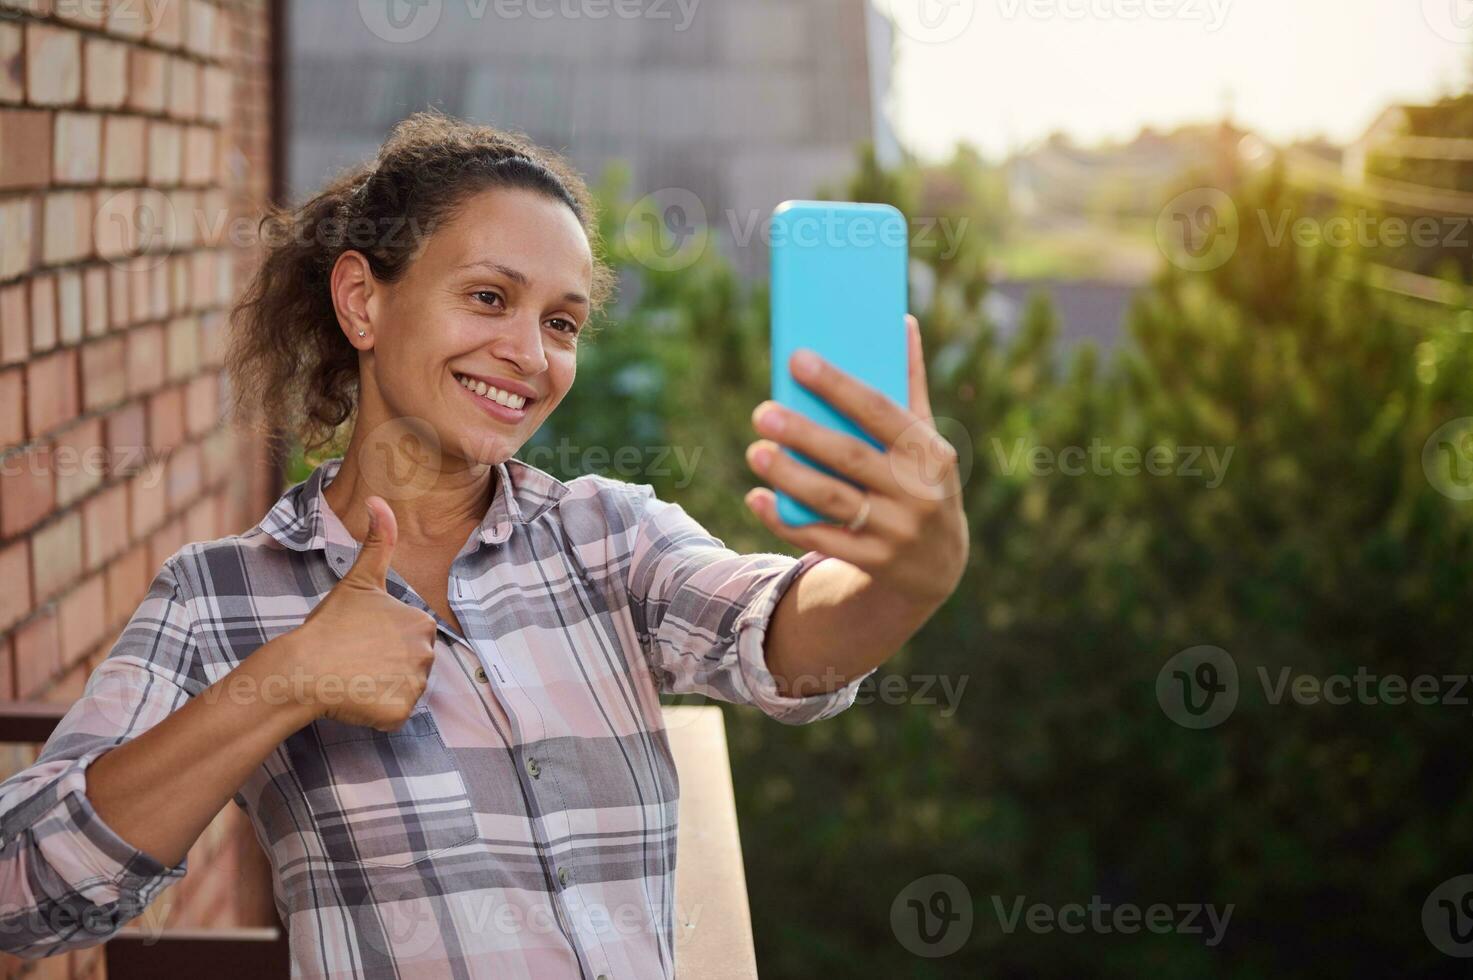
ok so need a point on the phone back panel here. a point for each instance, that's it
(838, 288)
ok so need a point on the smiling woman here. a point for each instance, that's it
(431, 674)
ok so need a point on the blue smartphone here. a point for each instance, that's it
(839, 289)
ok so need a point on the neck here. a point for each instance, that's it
(436, 498)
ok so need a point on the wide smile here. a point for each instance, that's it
(501, 405)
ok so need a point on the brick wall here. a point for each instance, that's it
(134, 137)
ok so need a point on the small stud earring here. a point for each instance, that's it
(362, 333)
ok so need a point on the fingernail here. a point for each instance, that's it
(805, 364)
(770, 420)
(761, 457)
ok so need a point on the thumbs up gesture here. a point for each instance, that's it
(365, 654)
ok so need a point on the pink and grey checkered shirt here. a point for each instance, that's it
(521, 823)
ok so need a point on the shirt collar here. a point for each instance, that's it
(301, 520)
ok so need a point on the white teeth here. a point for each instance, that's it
(489, 391)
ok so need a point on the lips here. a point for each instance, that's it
(504, 396)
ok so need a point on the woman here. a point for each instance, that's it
(510, 812)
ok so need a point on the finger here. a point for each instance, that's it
(861, 550)
(920, 395)
(867, 406)
(828, 495)
(852, 457)
(372, 567)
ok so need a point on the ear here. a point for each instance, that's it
(352, 286)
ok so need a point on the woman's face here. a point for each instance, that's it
(478, 341)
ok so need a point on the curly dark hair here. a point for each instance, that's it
(291, 370)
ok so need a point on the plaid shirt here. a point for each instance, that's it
(522, 821)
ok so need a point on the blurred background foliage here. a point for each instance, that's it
(1324, 549)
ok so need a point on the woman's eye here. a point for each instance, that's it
(486, 292)
(570, 327)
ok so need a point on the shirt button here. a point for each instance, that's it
(481, 674)
(534, 768)
(563, 876)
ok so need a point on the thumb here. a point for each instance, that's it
(372, 566)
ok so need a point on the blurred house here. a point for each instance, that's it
(744, 103)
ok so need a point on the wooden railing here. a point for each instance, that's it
(713, 929)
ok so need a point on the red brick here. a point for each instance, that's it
(27, 489)
(186, 476)
(13, 63)
(120, 311)
(145, 358)
(184, 83)
(216, 96)
(15, 324)
(66, 689)
(15, 572)
(200, 144)
(106, 75)
(83, 619)
(202, 404)
(85, 13)
(105, 526)
(56, 556)
(51, 391)
(22, 131)
(53, 64)
(147, 497)
(69, 305)
(124, 160)
(7, 672)
(202, 520)
(77, 157)
(128, 580)
(167, 540)
(94, 301)
(127, 437)
(80, 459)
(183, 345)
(165, 153)
(167, 26)
(37, 653)
(166, 419)
(146, 79)
(128, 19)
(67, 221)
(18, 231)
(43, 312)
(12, 407)
(104, 372)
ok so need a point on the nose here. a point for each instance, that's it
(518, 339)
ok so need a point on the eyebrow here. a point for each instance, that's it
(517, 277)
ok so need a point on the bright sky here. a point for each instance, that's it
(1005, 73)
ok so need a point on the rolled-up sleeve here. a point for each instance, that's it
(67, 880)
(702, 612)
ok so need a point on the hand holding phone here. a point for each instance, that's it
(839, 289)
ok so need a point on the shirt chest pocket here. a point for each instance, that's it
(384, 799)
